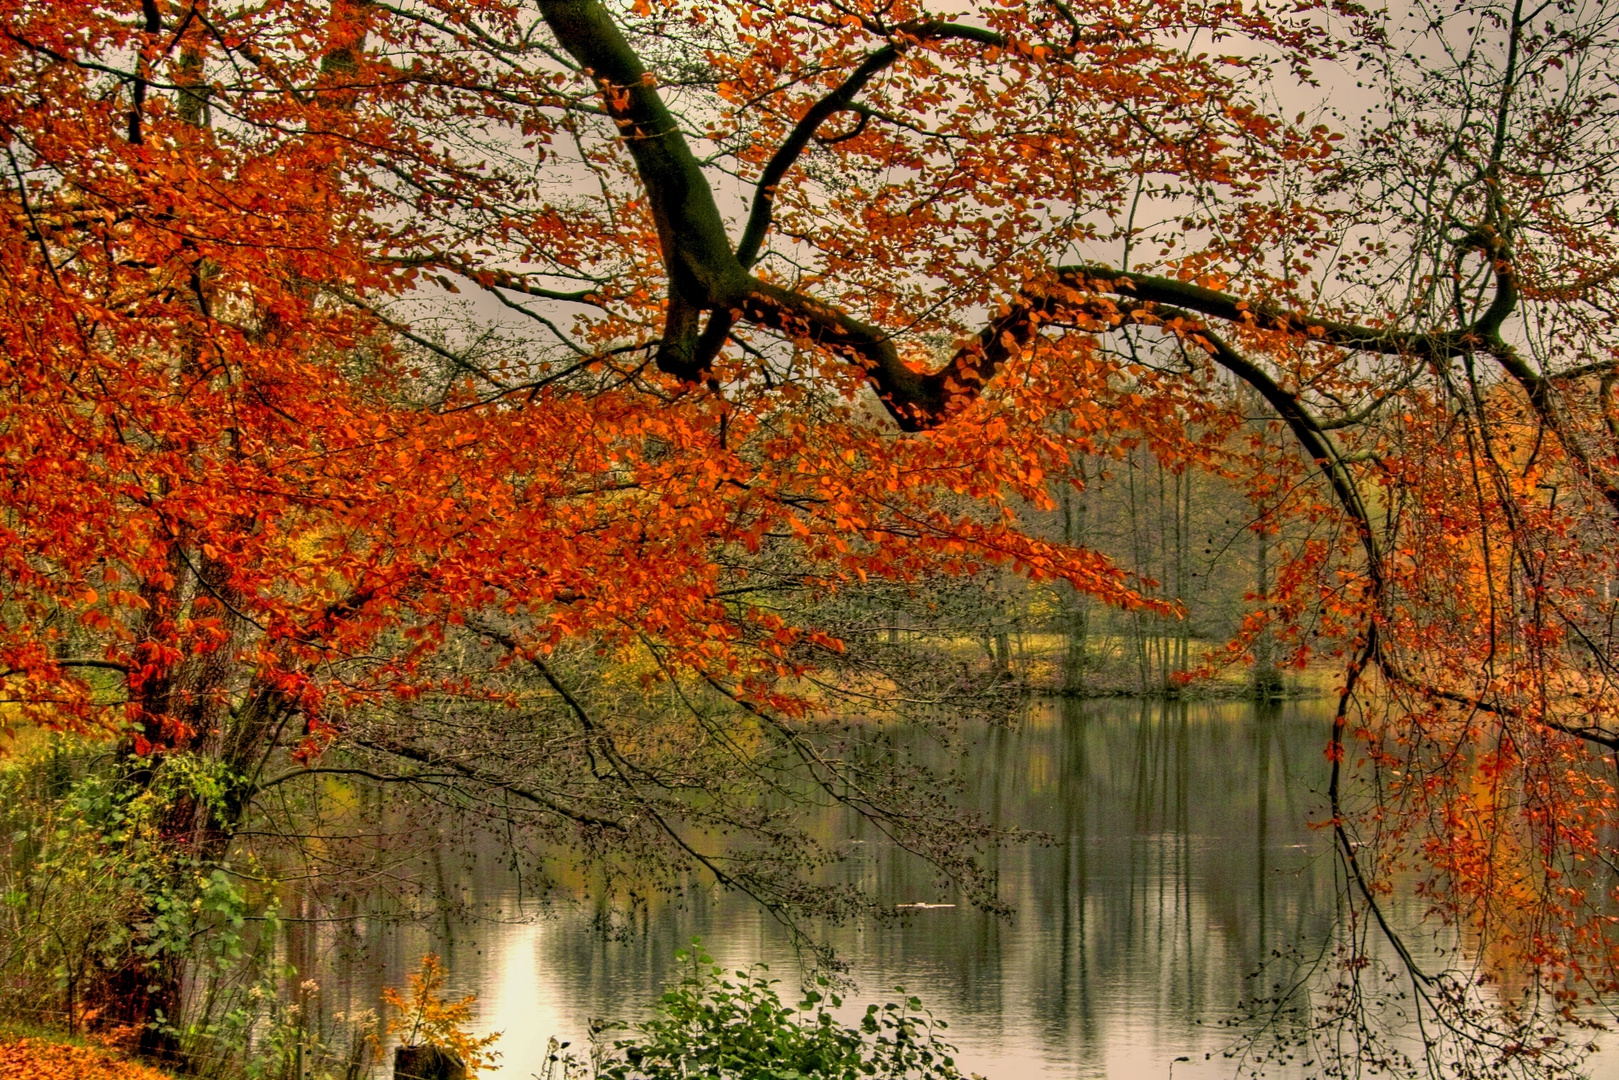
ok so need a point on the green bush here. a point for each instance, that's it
(711, 1027)
(99, 879)
(75, 858)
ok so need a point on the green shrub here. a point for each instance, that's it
(99, 878)
(711, 1027)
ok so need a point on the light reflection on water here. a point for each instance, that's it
(1182, 858)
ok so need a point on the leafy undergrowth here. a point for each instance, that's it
(40, 1059)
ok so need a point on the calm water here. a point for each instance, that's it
(1182, 858)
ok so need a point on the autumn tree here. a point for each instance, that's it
(344, 340)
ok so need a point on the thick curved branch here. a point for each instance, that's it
(696, 249)
(1482, 336)
(491, 278)
(1234, 309)
(1505, 301)
(764, 196)
(1305, 429)
(917, 400)
(705, 274)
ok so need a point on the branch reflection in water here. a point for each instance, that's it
(1181, 860)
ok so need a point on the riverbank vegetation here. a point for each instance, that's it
(611, 419)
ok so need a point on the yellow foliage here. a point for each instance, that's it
(427, 1019)
(36, 1059)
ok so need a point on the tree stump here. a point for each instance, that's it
(427, 1063)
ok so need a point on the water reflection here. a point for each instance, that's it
(1181, 858)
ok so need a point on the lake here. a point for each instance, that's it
(1181, 858)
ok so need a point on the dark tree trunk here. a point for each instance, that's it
(145, 996)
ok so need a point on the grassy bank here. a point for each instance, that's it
(1035, 660)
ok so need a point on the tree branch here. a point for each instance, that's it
(381, 778)
(1233, 309)
(786, 155)
(696, 250)
(461, 768)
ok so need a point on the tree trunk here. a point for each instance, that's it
(1183, 543)
(1138, 629)
(427, 1063)
(1267, 680)
(1076, 616)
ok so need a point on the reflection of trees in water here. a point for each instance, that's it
(1179, 858)
(1162, 890)
(1180, 861)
